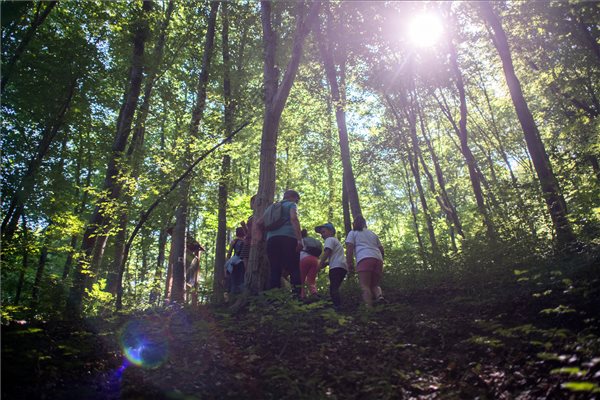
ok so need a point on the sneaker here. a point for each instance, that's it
(381, 300)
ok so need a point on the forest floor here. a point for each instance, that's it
(520, 334)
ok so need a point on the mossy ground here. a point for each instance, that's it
(526, 334)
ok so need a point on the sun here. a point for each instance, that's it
(425, 30)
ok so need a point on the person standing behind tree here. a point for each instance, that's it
(236, 278)
(369, 259)
(334, 253)
(284, 243)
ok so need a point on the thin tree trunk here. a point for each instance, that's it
(181, 215)
(218, 274)
(550, 187)
(98, 219)
(169, 274)
(445, 202)
(38, 19)
(414, 165)
(218, 289)
(135, 152)
(326, 50)
(21, 281)
(414, 211)
(275, 98)
(346, 209)
(35, 292)
(412, 152)
(145, 268)
(464, 145)
(329, 161)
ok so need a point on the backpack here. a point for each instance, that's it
(273, 217)
(313, 246)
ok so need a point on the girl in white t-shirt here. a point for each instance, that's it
(334, 252)
(369, 259)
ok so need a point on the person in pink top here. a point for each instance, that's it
(369, 259)
(309, 265)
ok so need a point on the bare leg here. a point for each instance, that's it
(375, 288)
(364, 278)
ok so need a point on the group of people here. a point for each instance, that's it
(291, 251)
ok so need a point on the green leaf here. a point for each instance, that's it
(581, 387)
(569, 371)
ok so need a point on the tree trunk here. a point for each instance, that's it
(464, 145)
(275, 98)
(181, 215)
(35, 292)
(414, 165)
(414, 211)
(346, 209)
(326, 50)
(412, 152)
(221, 242)
(21, 281)
(99, 219)
(135, 152)
(329, 162)
(38, 19)
(218, 276)
(550, 188)
(445, 203)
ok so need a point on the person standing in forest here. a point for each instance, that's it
(236, 277)
(369, 259)
(309, 263)
(285, 242)
(334, 254)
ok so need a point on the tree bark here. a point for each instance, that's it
(346, 209)
(275, 98)
(550, 187)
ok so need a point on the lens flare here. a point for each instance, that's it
(425, 30)
(142, 345)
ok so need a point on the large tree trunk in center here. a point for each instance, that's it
(275, 98)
